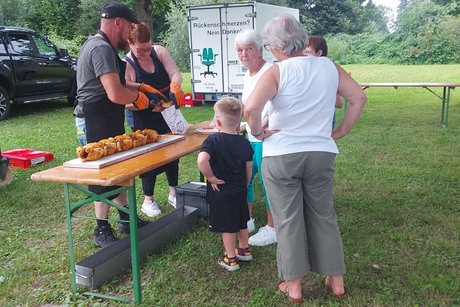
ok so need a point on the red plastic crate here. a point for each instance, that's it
(188, 100)
(25, 158)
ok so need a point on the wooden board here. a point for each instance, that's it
(124, 155)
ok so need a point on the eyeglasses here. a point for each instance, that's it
(267, 47)
(143, 50)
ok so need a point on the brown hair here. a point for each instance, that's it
(139, 33)
(229, 111)
(318, 43)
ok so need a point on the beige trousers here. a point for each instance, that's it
(299, 188)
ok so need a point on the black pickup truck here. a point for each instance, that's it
(32, 69)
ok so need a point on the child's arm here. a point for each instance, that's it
(205, 168)
(248, 172)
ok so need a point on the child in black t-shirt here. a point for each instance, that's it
(225, 159)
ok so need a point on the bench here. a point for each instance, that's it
(445, 98)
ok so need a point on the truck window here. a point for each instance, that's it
(44, 47)
(2, 47)
(21, 43)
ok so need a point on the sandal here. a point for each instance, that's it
(327, 284)
(230, 264)
(243, 253)
(285, 293)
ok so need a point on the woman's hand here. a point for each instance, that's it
(265, 134)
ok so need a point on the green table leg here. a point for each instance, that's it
(70, 237)
(445, 106)
(134, 244)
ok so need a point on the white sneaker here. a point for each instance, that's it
(265, 236)
(150, 208)
(251, 225)
(172, 200)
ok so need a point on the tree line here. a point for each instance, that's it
(357, 31)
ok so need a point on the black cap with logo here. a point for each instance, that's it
(117, 9)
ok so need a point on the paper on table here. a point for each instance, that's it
(207, 130)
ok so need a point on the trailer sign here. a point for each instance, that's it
(216, 69)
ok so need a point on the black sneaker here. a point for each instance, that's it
(103, 236)
(123, 227)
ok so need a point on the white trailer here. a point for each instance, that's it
(215, 67)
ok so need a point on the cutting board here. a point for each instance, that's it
(124, 155)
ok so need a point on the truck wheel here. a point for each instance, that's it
(5, 106)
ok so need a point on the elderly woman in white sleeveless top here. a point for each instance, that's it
(249, 47)
(299, 152)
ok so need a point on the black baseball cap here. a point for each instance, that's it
(117, 9)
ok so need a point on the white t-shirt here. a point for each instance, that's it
(249, 85)
(303, 107)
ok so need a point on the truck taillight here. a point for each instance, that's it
(199, 96)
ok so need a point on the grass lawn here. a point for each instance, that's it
(397, 196)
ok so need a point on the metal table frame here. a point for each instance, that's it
(71, 208)
(445, 99)
(121, 174)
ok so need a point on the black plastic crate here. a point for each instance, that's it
(193, 194)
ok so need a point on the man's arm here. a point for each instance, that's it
(116, 92)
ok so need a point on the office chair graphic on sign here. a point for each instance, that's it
(208, 58)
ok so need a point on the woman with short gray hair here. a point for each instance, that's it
(249, 47)
(249, 37)
(299, 152)
(286, 35)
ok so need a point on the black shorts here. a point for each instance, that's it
(97, 189)
(228, 217)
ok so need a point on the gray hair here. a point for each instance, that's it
(248, 37)
(286, 34)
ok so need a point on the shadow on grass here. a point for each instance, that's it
(41, 107)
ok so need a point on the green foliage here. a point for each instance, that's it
(12, 13)
(426, 33)
(176, 37)
(374, 18)
(73, 46)
(89, 19)
(332, 16)
(51, 16)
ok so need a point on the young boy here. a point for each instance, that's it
(225, 159)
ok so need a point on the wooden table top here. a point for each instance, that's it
(122, 173)
(410, 84)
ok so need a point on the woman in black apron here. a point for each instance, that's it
(152, 65)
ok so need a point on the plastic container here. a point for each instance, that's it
(193, 194)
(25, 158)
(188, 100)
